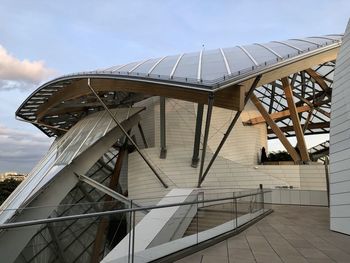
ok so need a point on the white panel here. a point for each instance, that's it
(295, 197)
(305, 197)
(339, 141)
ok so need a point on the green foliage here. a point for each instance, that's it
(279, 156)
(6, 188)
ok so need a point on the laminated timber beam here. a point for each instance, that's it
(276, 116)
(295, 119)
(230, 98)
(311, 126)
(293, 153)
(318, 79)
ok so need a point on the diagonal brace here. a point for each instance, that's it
(127, 136)
(229, 129)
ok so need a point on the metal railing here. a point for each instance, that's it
(231, 210)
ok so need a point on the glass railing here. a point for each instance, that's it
(155, 228)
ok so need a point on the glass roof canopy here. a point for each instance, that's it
(205, 71)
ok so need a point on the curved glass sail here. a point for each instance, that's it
(63, 151)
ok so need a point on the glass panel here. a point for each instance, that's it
(237, 59)
(165, 67)
(127, 67)
(145, 67)
(213, 65)
(281, 49)
(60, 154)
(260, 54)
(188, 66)
(321, 41)
(301, 44)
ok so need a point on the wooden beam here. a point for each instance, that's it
(295, 119)
(310, 126)
(230, 98)
(276, 116)
(293, 153)
(318, 79)
(297, 66)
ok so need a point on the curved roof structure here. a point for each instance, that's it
(228, 72)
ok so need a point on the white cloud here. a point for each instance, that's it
(21, 150)
(20, 74)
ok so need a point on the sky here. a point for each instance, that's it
(40, 40)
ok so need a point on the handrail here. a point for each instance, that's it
(113, 212)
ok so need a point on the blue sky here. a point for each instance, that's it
(59, 37)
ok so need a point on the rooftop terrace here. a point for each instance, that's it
(289, 234)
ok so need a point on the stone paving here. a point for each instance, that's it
(290, 234)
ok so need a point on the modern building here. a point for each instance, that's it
(189, 129)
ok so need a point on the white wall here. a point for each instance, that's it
(235, 167)
(339, 141)
(307, 177)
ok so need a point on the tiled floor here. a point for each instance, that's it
(290, 234)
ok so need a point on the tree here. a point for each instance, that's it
(7, 187)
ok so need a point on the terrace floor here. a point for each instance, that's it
(290, 234)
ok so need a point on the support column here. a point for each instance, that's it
(206, 134)
(229, 129)
(295, 119)
(275, 129)
(163, 150)
(197, 136)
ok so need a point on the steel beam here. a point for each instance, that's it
(197, 136)
(142, 135)
(128, 136)
(88, 197)
(206, 134)
(229, 129)
(163, 150)
(103, 188)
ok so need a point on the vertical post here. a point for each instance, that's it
(197, 216)
(262, 196)
(133, 237)
(130, 238)
(206, 134)
(197, 136)
(162, 128)
(236, 210)
(326, 163)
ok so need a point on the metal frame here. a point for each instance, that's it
(163, 150)
(128, 136)
(121, 211)
(206, 134)
(197, 136)
(228, 132)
